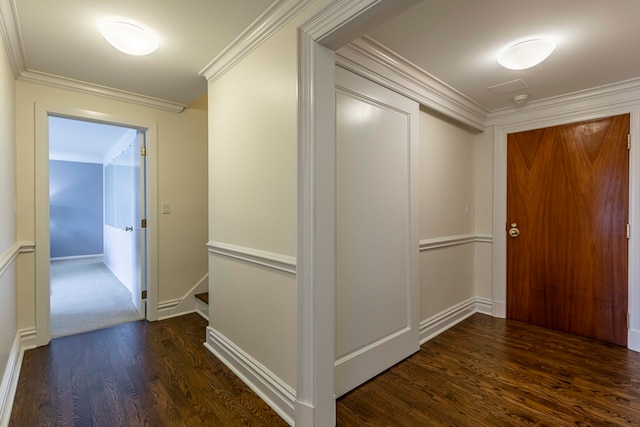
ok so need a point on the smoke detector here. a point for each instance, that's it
(520, 99)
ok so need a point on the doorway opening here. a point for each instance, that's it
(97, 245)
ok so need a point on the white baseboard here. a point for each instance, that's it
(484, 306)
(185, 305)
(437, 324)
(277, 394)
(202, 309)
(24, 340)
(633, 341)
(67, 258)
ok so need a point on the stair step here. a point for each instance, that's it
(204, 297)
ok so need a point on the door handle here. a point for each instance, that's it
(128, 229)
(513, 231)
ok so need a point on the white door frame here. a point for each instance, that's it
(42, 232)
(341, 22)
(554, 115)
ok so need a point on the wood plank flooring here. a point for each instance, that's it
(494, 372)
(139, 374)
(482, 372)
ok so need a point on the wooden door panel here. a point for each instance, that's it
(567, 191)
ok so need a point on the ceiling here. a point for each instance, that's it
(83, 141)
(598, 43)
(453, 40)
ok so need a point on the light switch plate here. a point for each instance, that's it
(166, 207)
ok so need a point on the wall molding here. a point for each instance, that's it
(460, 239)
(275, 17)
(271, 260)
(10, 382)
(373, 60)
(277, 394)
(574, 104)
(438, 323)
(10, 28)
(24, 340)
(104, 91)
(9, 256)
(185, 305)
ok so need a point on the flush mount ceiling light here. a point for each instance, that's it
(526, 54)
(129, 38)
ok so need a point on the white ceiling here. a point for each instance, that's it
(453, 40)
(598, 43)
(61, 37)
(83, 141)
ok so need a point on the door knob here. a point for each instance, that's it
(513, 231)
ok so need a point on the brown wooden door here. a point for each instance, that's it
(568, 194)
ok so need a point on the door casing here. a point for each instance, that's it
(42, 235)
(559, 115)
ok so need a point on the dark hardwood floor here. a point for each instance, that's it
(494, 372)
(139, 374)
(482, 372)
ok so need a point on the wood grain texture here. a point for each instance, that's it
(568, 193)
(495, 372)
(137, 374)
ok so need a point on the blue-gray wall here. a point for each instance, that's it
(75, 191)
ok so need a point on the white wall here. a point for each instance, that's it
(8, 244)
(182, 180)
(253, 200)
(447, 167)
(483, 208)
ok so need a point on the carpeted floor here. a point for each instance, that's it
(86, 296)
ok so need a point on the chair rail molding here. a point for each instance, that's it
(271, 260)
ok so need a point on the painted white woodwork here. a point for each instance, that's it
(315, 401)
(603, 102)
(375, 61)
(187, 304)
(42, 237)
(278, 395)
(272, 20)
(377, 292)
(255, 256)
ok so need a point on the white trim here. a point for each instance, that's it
(10, 28)
(446, 241)
(94, 89)
(9, 256)
(275, 17)
(70, 258)
(336, 24)
(271, 260)
(277, 394)
(437, 324)
(566, 107)
(42, 232)
(185, 305)
(12, 36)
(601, 102)
(10, 382)
(373, 60)
(24, 340)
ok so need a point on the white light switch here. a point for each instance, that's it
(166, 207)
(467, 208)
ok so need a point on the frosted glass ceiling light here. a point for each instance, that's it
(526, 54)
(129, 38)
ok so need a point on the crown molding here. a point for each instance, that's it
(267, 24)
(94, 89)
(11, 35)
(617, 94)
(379, 63)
